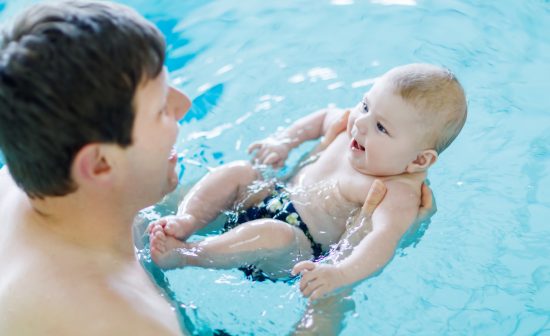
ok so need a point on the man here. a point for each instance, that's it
(87, 127)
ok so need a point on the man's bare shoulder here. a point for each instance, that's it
(51, 288)
(39, 303)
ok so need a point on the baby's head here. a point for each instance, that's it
(410, 115)
(438, 99)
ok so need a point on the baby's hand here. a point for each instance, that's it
(180, 227)
(318, 279)
(271, 151)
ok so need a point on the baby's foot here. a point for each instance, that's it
(180, 227)
(167, 252)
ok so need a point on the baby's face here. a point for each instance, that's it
(385, 132)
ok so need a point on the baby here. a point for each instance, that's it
(408, 117)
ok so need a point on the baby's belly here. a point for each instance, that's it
(325, 212)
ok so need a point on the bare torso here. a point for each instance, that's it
(329, 190)
(53, 287)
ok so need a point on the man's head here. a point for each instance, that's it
(410, 115)
(69, 72)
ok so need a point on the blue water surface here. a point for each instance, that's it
(482, 266)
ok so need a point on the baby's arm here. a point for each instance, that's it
(390, 221)
(274, 149)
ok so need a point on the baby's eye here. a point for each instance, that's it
(381, 128)
(365, 106)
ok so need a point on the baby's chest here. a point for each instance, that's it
(345, 182)
(354, 186)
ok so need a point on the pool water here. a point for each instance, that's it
(482, 265)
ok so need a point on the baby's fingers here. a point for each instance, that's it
(307, 278)
(254, 146)
(306, 265)
(319, 292)
(311, 287)
(272, 159)
(279, 163)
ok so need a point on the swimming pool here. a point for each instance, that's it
(482, 266)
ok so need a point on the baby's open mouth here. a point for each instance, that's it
(356, 145)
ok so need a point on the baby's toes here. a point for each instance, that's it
(159, 222)
(158, 241)
(173, 228)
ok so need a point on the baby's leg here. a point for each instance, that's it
(271, 245)
(166, 251)
(217, 191)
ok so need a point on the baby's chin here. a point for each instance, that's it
(366, 169)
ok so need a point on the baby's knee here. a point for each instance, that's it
(241, 171)
(279, 234)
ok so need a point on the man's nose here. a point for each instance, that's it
(178, 103)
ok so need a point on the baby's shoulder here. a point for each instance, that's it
(403, 190)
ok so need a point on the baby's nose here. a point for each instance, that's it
(361, 125)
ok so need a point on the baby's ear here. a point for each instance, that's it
(423, 161)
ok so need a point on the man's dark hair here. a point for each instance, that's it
(68, 75)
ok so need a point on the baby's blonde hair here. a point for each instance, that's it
(438, 96)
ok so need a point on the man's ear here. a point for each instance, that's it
(423, 161)
(91, 165)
